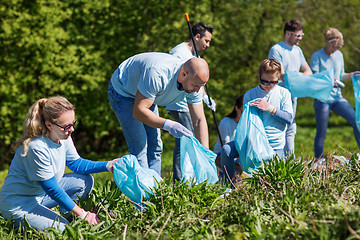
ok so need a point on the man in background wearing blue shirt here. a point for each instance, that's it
(180, 111)
(291, 57)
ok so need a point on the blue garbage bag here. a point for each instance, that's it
(356, 85)
(197, 162)
(317, 86)
(133, 180)
(250, 140)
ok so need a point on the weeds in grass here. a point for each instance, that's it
(283, 200)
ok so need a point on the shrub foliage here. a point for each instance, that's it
(71, 48)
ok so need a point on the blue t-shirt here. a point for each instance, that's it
(45, 159)
(290, 57)
(182, 52)
(155, 76)
(321, 61)
(280, 98)
(227, 129)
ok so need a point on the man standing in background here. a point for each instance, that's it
(179, 111)
(291, 57)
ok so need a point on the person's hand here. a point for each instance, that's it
(89, 217)
(264, 105)
(206, 101)
(176, 129)
(353, 73)
(338, 83)
(110, 165)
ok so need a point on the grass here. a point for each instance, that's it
(285, 200)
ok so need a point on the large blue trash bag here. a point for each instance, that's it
(133, 180)
(317, 86)
(197, 162)
(356, 85)
(250, 139)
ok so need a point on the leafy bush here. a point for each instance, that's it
(71, 48)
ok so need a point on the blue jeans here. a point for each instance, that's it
(42, 217)
(322, 110)
(229, 153)
(185, 119)
(290, 132)
(143, 141)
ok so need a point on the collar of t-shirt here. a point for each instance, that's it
(180, 86)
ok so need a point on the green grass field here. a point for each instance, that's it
(283, 201)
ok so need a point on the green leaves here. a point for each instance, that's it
(71, 48)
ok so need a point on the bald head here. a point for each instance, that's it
(197, 66)
(194, 74)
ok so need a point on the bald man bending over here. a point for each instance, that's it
(146, 80)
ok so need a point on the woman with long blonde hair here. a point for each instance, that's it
(331, 58)
(36, 182)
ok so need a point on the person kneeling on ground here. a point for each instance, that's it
(36, 182)
(275, 102)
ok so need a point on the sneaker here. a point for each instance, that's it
(319, 163)
(341, 159)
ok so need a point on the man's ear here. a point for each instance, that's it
(185, 74)
(197, 37)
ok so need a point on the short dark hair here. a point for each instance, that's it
(293, 26)
(201, 28)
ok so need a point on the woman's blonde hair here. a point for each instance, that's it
(333, 34)
(45, 109)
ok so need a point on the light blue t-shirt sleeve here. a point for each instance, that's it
(302, 58)
(274, 54)
(286, 103)
(195, 97)
(38, 164)
(151, 82)
(342, 68)
(246, 98)
(71, 152)
(315, 63)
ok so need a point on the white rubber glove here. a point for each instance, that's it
(176, 129)
(264, 105)
(206, 101)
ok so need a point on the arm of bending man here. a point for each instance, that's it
(142, 112)
(199, 123)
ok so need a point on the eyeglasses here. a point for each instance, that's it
(67, 126)
(335, 43)
(298, 35)
(267, 83)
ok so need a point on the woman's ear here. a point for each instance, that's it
(48, 125)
